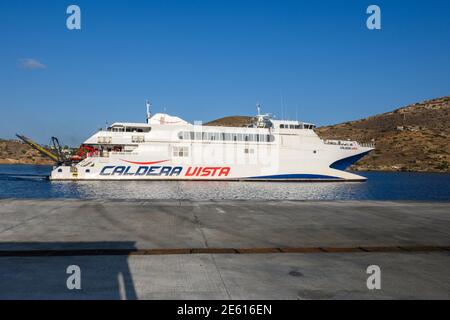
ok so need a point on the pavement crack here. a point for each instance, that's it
(221, 277)
(199, 226)
(52, 211)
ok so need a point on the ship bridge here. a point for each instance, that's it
(129, 127)
(292, 124)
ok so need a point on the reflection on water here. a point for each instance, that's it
(17, 181)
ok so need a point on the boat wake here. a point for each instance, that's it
(22, 176)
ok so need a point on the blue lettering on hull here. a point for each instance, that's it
(141, 171)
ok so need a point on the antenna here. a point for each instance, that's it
(148, 104)
(282, 105)
(258, 108)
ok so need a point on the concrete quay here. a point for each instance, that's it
(224, 249)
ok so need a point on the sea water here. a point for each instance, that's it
(29, 182)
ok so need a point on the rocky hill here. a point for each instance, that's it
(15, 152)
(233, 121)
(411, 138)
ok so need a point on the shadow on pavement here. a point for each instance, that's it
(27, 276)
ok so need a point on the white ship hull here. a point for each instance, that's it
(177, 150)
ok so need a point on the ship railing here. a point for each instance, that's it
(340, 142)
(347, 143)
(106, 154)
(366, 144)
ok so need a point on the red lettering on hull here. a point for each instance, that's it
(207, 171)
(224, 171)
(193, 173)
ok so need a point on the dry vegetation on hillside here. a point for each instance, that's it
(15, 152)
(233, 121)
(412, 138)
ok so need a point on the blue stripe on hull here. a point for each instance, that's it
(296, 176)
(347, 162)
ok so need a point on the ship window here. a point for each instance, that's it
(292, 126)
(222, 136)
(281, 126)
(180, 151)
(59, 170)
(248, 150)
(137, 139)
(180, 135)
(104, 139)
(87, 170)
(132, 129)
(270, 138)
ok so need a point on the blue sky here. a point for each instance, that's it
(206, 59)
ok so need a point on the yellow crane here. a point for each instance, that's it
(57, 157)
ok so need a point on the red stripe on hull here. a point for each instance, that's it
(151, 162)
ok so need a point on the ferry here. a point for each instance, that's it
(167, 147)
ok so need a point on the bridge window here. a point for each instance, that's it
(104, 139)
